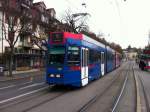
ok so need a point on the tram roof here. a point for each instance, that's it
(91, 40)
(84, 38)
(110, 49)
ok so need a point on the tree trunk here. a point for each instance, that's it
(11, 62)
(40, 59)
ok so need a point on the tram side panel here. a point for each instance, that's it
(82, 61)
(94, 60)
(96, 57)
(118, 59)
(110, 61)
(114, 59)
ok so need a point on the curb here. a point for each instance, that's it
(21, 72)
(18, 78)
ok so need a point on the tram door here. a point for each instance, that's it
(84, 66)
(102, 63)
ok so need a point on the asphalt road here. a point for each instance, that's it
(144, 82)
(13, 89)
(33, 95)
(127, 102)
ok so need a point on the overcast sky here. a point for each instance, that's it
(125, 23)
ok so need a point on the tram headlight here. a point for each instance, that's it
(52, 75)
(58, 75)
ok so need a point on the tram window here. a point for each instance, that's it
(108, 56)
(91, 56)
(94, 56)
(73, 55)
(102, 58)
(56, 55)
(99, 57)
(87, 57)
(84, 64)
(82, 58)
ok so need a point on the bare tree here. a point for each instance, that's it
(40, 36)
(40, 39)
(40, 33)
(15, 23)
(77, 21)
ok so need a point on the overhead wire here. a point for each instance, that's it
(73, 5)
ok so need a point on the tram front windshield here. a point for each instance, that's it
(56, 56)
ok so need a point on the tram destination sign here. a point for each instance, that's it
(57, 37)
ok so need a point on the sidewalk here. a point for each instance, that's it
(21, 74)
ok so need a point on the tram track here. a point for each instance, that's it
(120, 79)
(136, 90)
(39, 101)
(3, 106)
(93, 100)
(126, 100)
(145, 95)
(137, 102)
(33, 102)
(120, 95)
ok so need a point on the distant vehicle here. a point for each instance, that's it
(144, 60)
(76, 59)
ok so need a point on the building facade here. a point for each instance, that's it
(130, 55)
(26, 54)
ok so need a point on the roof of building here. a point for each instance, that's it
(40, 3)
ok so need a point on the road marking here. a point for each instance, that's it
(22, 95)
(125, 82)
(36, 84)
(7, 87)
(138, 103)
(138, 108)
(24, 83)
(14, 85)
(20, 85)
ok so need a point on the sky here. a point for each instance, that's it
(125, 23)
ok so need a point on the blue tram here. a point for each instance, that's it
(76, 59)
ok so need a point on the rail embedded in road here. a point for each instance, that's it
(145, 94)
(101, 93)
